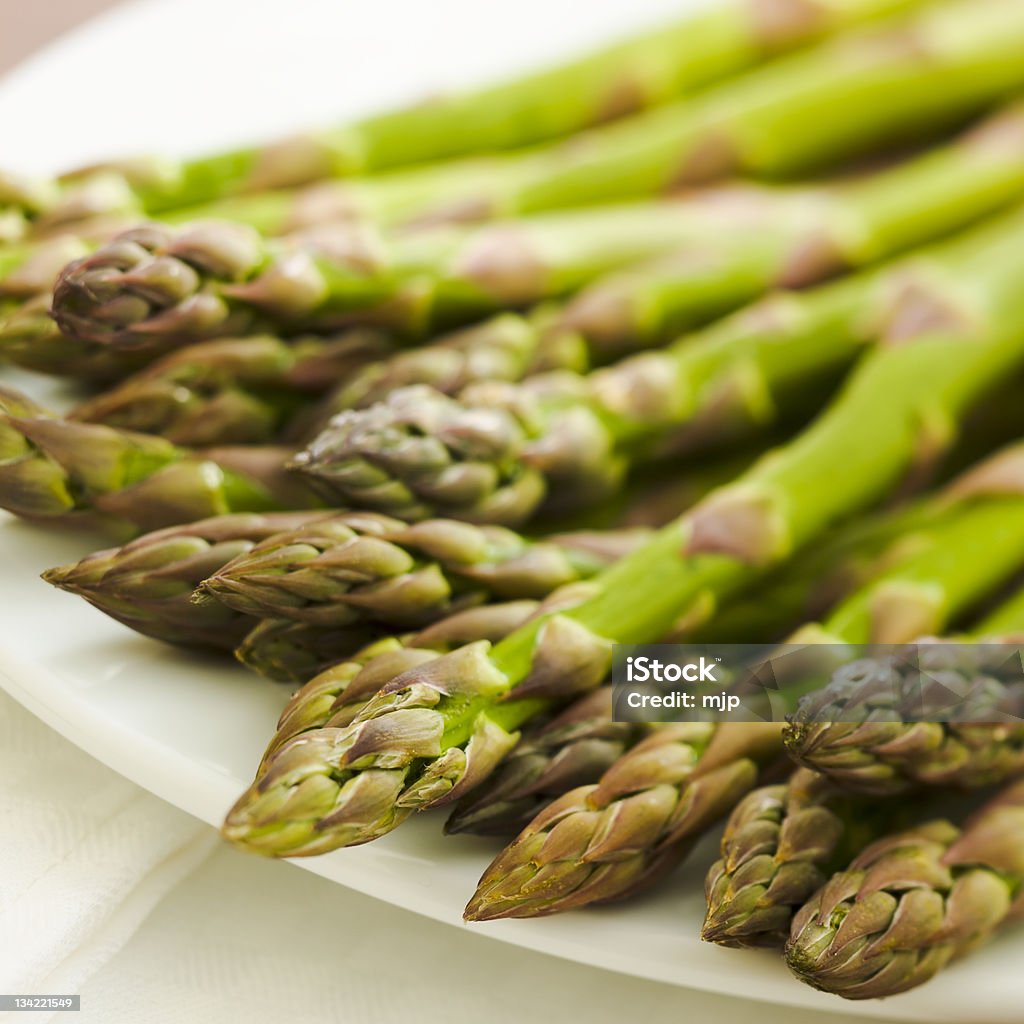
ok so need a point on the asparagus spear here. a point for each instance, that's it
(32, 266)
(574, 749)
(912, 902)
(431, 735)
(728, 245)
(148, 584)
(31, 339)
(355, 566)
(231, 391)
(502, 452)
(172, 285)
(609, 840)
(649, 69)
(779, 846)
(57, 470)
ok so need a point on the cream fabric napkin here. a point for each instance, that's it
(85, 857)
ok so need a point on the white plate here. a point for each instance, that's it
(187, 74)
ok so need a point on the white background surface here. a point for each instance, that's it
(191, 74)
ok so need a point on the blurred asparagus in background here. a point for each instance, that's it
(912, 75)
(651, 68)
(159, 285)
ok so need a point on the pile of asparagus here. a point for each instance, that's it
(710, 335)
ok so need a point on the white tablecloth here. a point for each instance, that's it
(109, 892)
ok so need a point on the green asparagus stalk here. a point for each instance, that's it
(808, 587)
(860, 91)
(727, 245)
(574, 749)
(433, 734)
(500, 453)
(147, 584)
(912, 902)
(647, 70)
(231, 391)
(357, 566)
(57, 470)
(970, 548)
(173, 285)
